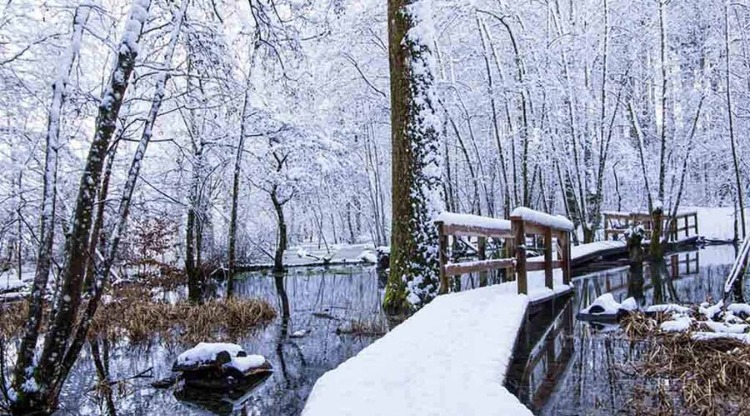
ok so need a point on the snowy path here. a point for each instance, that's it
(450, 358)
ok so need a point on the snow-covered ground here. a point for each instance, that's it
(716, 223)
(9, 281)
(450, 358)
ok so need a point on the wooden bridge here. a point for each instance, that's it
(679, 226)
(527, 231)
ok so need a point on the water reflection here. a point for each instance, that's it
(601, 377)
(315, 302)
(544, 349)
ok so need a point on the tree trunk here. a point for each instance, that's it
(415, 160)
(281, 246)
(48, 377)
(49, 196)
(735, 159)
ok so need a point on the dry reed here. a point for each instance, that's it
(138, 318)
(712, 377)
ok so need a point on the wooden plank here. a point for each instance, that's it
(520, 245)
(443, 256)
(535, 266)
(457, 269)
(548, 282)
(566, 259)
(482, 255)
(474, 231)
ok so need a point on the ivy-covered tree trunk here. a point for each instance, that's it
(416, 163)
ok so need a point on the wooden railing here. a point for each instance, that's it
(513, 236)
(616, 223)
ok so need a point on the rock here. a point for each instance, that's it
(219, 366)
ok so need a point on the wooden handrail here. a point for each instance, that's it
(525, 222)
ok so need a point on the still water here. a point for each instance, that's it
(319, 302)
(564, 366)
(561, 366)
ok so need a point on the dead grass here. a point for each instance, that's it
(215, 320)
(136, 317)
(710, 377)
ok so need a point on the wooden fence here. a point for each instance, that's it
(513, 236)
(616, 223)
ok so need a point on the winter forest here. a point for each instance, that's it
(180, 173)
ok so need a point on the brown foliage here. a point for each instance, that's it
(711, 377)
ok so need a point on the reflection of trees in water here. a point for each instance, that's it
(604, 377)
(677, 279)
(345, 293)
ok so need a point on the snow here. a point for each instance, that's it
(717, 223)
(450, 358)
(629, 304)
(668, 308)
(607, 305)
(679, 324)
(739, 309)
(584, 250)
(206, 352)
(450, 218)
(711, 311)
(607, 302)
(726, 328)
(554, 221)
(245, 364)
(710, 336)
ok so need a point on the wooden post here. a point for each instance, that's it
(520, 243)
(482, 255)
(566, 257)
(548, 280)
(443, 255)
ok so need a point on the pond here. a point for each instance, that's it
(561, 366)
(564, 366)
(320, 302)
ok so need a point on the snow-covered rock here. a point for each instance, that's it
(207, 355)
(606, 305)
(219, 366)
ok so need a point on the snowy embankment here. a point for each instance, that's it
(717, 223)
(450, 358)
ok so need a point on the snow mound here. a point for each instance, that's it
(668, 308)
(607, 305)
(679, 324)
(207, 352)
(247, 363)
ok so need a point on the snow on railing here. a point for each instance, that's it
(555, 231)
(473, 225)
(540, 218)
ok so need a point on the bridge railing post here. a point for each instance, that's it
(519, 231)
(443, 256)
(566, 257)
(548, 277)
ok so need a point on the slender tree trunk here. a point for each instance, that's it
(735, 158)
(49, 195)
(281, 246)
(49, 378)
